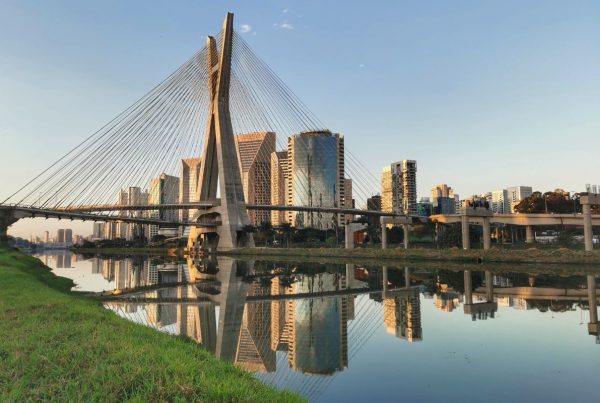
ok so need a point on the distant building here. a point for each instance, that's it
(444, 201)
(374, 204)
(98, 230)
(60, 236)
(46, 237)
(189, 174)
(399, 187)
(424, 207)
(500, 203)
(316, 178)
(69, 236)
(163, 190)
(278, 185)
(254, 153)
(516, 194)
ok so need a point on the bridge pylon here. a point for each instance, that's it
(220, 166)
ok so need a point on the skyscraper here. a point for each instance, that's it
(316, 177)
(254, 153)
(278, 185)
(444, 200)
(399, 187)
(500, 201)
(69, 236)
(163, 190)
(60, 236)
(188, 185)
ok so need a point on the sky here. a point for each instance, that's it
(483, 94)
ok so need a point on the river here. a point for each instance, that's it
(354, 332)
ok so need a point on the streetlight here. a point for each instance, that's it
(573, 198)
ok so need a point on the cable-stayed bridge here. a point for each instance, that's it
(222, 91)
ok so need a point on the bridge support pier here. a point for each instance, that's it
(487, 237)
(349, 230)
(588, 233)
(466, 240)
(586, 200)
(529, 236)
(7, 218)
(404, 221)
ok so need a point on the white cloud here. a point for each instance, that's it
(361, 66)
(286, 10)
(245, 28)
(283, 25)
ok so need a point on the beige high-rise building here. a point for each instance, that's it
(399, 187)
(254, 153)
(315, 168)
(278, 185)
(348, 200)
(188, 185)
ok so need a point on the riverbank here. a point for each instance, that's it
(530, 256)
(58, 345)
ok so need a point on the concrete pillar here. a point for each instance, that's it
(406, 233)
(349, 233)
(383, 237)
(588, 234)
(466, 241)
(487, 237)
(489, 286)
(468, 288)
(407, 277)
(529, 237)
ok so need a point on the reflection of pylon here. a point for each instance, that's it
(220, 166)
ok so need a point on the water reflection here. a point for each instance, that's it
(300, 326)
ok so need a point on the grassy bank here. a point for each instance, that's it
(58, 345)
(532, 255)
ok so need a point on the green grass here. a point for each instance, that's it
(57, 345)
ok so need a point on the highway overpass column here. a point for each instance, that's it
(349, 236)
(406, 277)
(383, 237)
(529, 237)
(487, 237)
(587, 227)
(466, 244)
(406, 233)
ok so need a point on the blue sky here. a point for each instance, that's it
(483, 94)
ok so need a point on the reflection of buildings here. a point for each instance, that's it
(254, 351)
(447, 301)
(318, 340)
(402, 316)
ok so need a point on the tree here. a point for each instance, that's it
(556, 202)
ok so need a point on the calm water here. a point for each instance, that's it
(345, 332)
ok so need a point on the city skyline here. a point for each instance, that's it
(345, 128)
